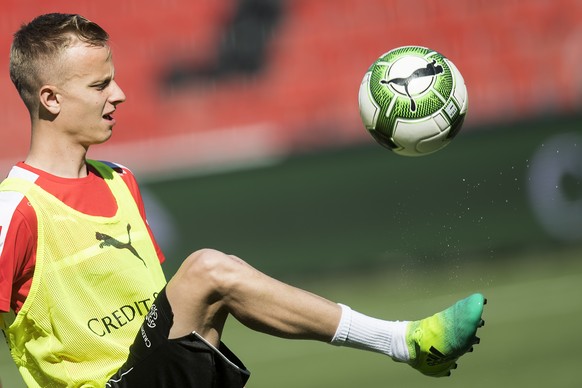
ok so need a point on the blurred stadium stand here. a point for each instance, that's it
(299, 90)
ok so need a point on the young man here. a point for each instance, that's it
(80, 269)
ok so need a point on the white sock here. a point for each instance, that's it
(360, 331)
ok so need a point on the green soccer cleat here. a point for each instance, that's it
(435, 343)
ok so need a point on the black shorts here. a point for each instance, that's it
(188, 362)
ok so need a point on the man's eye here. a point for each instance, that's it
(101, 86)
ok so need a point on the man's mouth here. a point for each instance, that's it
(108, 117)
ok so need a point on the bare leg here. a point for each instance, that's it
(210, 285)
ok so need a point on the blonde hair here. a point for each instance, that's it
(37, 46)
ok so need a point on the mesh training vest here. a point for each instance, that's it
(94, 281)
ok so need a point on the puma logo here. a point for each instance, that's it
(429, 71)
(108, 241)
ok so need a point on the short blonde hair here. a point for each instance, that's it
(38, 45)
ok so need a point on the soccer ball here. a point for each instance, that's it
(413, 100)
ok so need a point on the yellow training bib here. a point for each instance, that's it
(94, 281)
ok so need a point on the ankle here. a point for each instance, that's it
(360, 331)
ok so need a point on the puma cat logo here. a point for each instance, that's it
(431, 70)
(108, 241)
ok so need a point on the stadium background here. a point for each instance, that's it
(242, 124)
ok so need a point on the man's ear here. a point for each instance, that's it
(50, 99)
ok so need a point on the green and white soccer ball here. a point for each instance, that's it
(413, 100)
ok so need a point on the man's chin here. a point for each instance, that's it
(103, 138)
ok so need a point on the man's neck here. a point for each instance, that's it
(57, 156)
(68, 169)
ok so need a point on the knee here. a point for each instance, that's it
(218, 272)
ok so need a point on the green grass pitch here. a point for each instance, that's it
(529, 339)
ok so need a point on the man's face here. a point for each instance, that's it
(88, 94)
